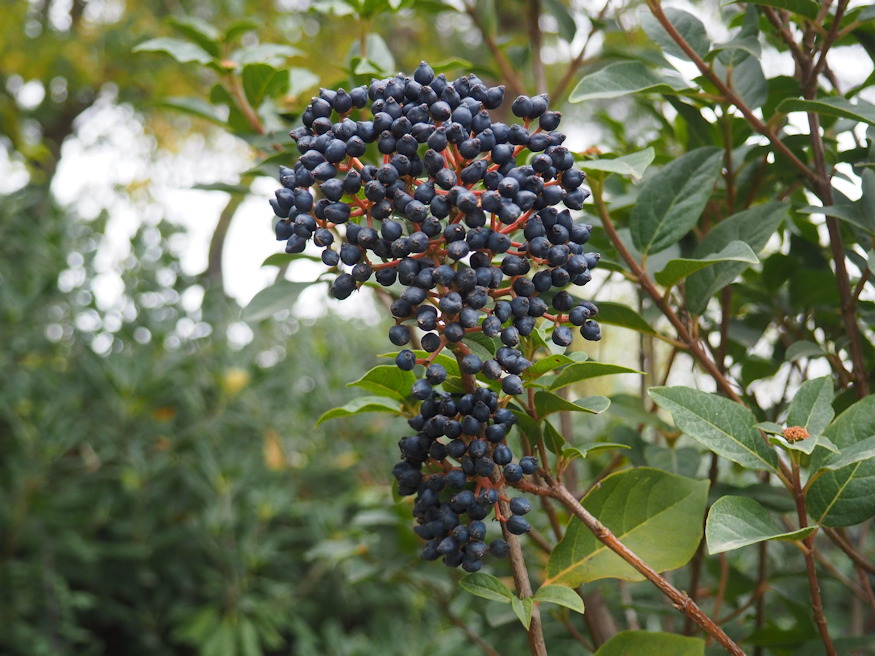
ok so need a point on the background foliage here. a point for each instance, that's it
(163, 490)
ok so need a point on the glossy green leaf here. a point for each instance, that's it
(486, 586)
(279, 296)
(181, 51)
(632, 165)
(654, 513)
(281, 259)
(832, 106)
(844, 497)
(672, 200)
(622, 79)
(448, 361)
(746, 78)
(272, 54)
(805, 446)
(678, 269)
(811, 407)
(803, 349)
(807, 8)
(548, 364)
(857, 452)
(651, 643)
(554, 440)
(362, 405)
(584, 450)
(585, 370)
(735, 522)
(527, 426)
(199, 31)
(387, 380)
(687, 25)
(523, 609)
(851, 213)
(618, 314)
(565, 23)
(195, 107)
(247, 636)
(547, 403)
(754, 226)
(379, 55)
(721, 425)
(257, 80)
(560, 595)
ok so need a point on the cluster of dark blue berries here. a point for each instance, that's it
(466, 214)
(460, 476)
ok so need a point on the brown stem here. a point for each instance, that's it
(680, 600)
(813, 585)
(535, 37)
(848, 548)
(508, 74)
(213, 273)
(579, 60)
(829, 39)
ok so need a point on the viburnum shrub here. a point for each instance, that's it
(731, 203)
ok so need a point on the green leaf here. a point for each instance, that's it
(862, 450)
(195, 107)
(279, 296)
(258, 79)
(530, 428)
(803, 349)
(199, 31)
(547, 364)
(622, 79)
(687, 25)
(280, 259)
(618, 314)
(565, 23)
(247, 636)
(745, 77)
(554, 439)
(547, 403)
(676, 270)
(583, 451)
(633, 164)
(805, 446)
(272, 54)
(843, 497)
(523, 608)
(807, 8)
(387, 380)
(832, 106)
(721, 425)
(811, 407)
(651, 643)
(735, 522)
(486, 586)
(585, 370)
(560, 595)
(379, 55)
(654, 513)
(181, 51)
(672, 200)
(754, 226)
(849, 212)
(360, 406)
